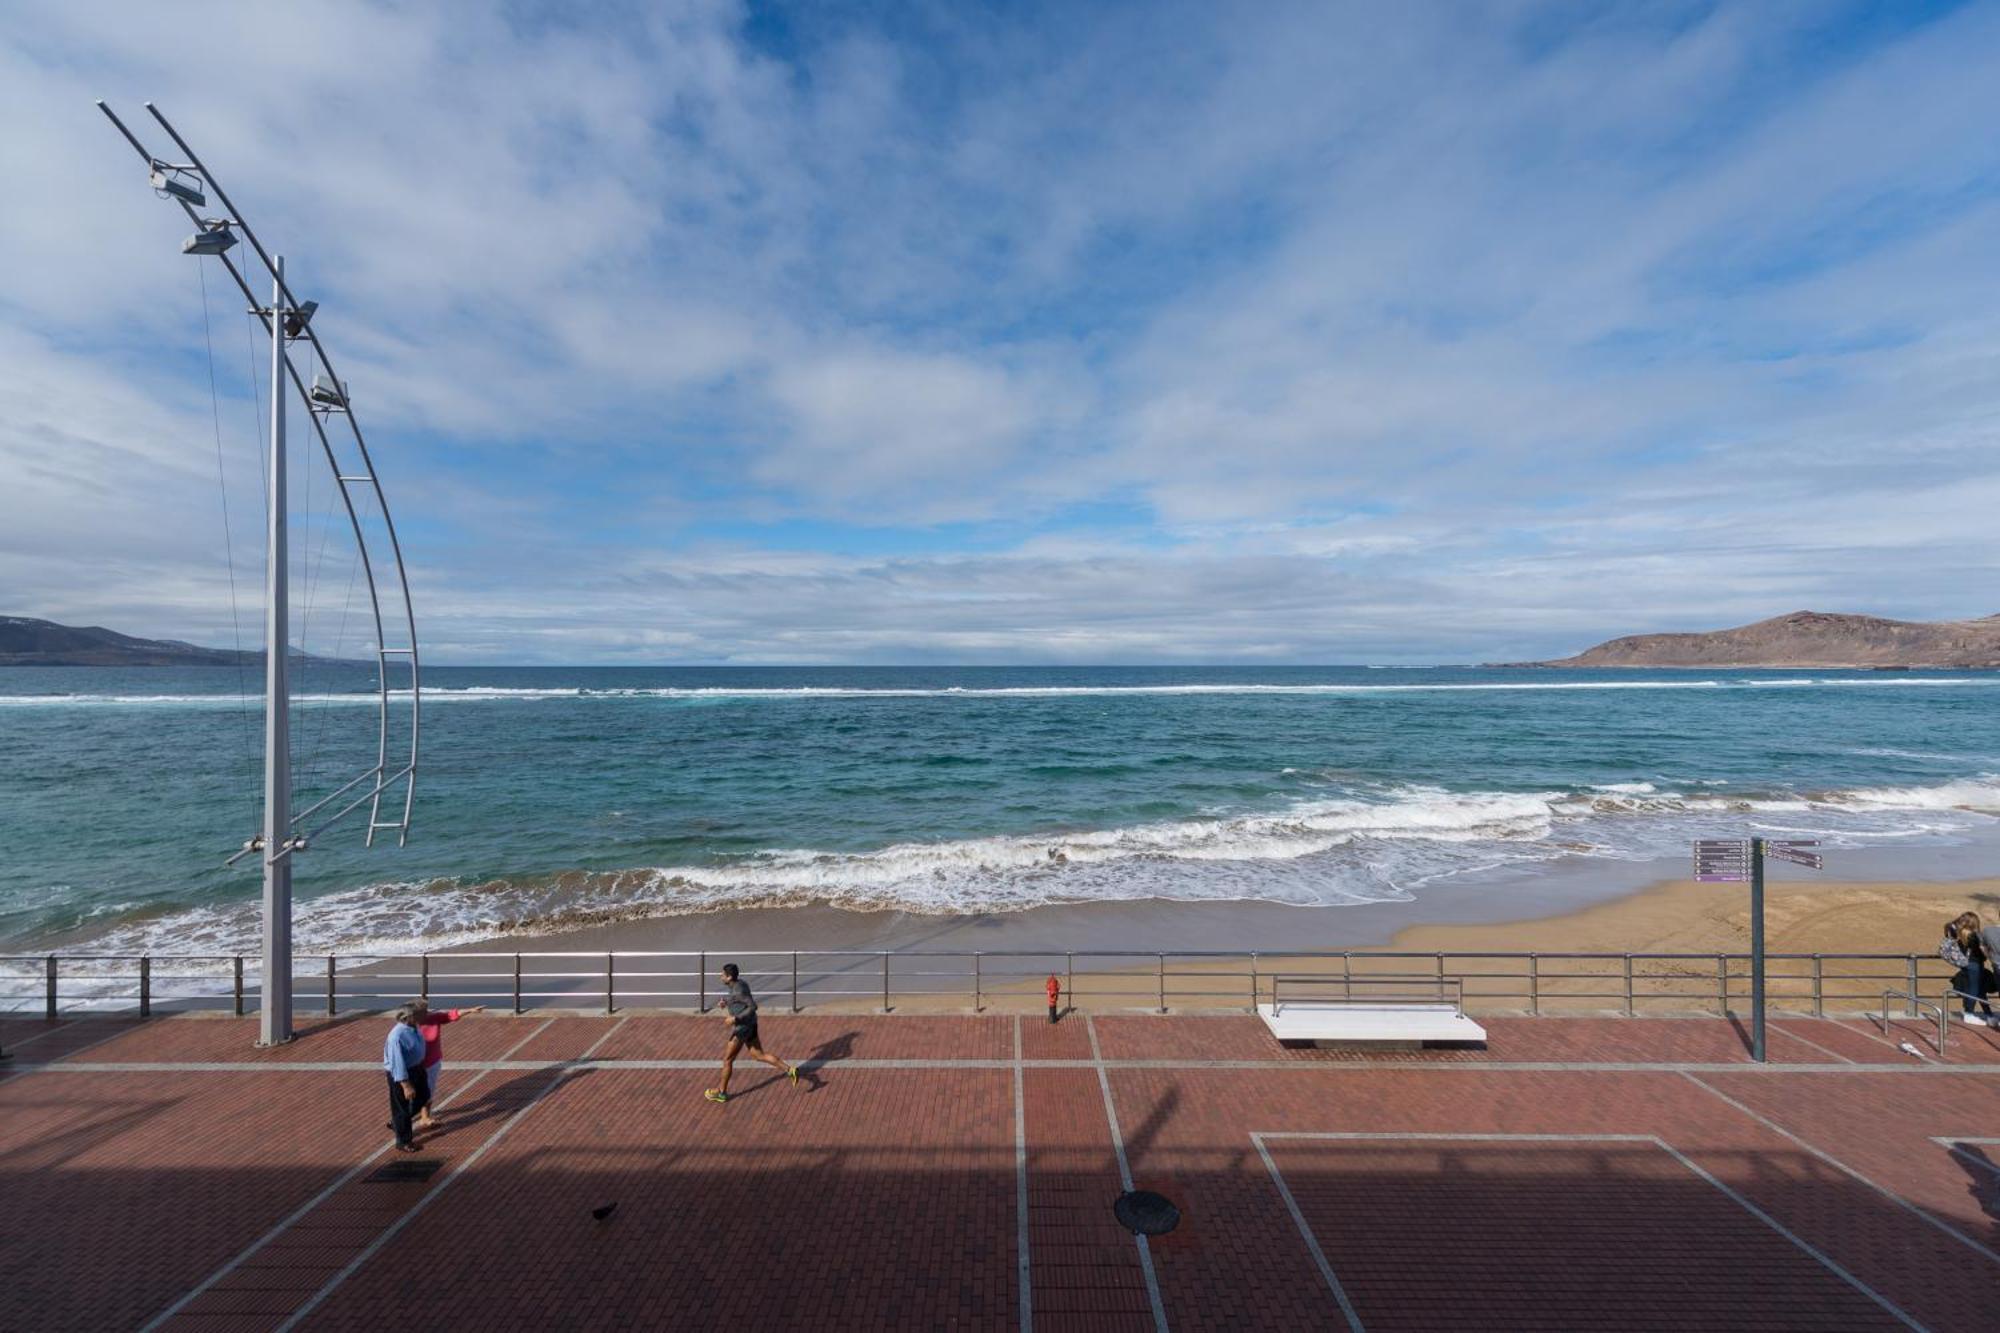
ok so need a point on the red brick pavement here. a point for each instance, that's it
(885, 1197)
(874, 1200)
(1419, 1230)
(1086, 1274)
(121, 1190)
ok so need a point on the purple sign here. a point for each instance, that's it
(1721, 861)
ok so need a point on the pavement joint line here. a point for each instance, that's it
(508, 1054)
(1795, 1036)
(429, 1197)
(1694, 1168)
(1955, 1145)
(61, 1024)
(1125, 1177)
(1845, 1169)
(607, 1035)
(1026, 1277)
(64, 1066)
(1312, 1243)
(293, 1218)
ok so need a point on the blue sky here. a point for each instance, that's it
(1015, 333)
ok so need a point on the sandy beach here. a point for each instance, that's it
(1680, 916)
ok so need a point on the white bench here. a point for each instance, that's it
(1414, 1011)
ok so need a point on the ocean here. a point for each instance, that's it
(552, 797)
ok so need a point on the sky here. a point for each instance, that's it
(704, 332)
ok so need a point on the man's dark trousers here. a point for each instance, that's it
(402, 1109)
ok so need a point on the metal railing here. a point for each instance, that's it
(1489, 982)
(1917, 1003)
(1375, 990)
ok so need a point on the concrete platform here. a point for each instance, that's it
(959, 1172)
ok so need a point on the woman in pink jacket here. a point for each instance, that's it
(430, 1022)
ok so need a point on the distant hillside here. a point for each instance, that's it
(28, 642)
(1806, 639)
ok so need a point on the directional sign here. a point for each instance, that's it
(1721, 861)
(1811, 860)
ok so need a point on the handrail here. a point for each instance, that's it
(1917, 1003)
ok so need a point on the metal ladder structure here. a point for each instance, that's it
(188, 182)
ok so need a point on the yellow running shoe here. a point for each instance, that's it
(716, 1096)
(793, 1074)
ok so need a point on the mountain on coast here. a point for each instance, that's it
(25, 641)
(1806, 639)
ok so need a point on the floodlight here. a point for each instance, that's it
(213, 239)
(172, 184)
(298, 317)
(328, 393)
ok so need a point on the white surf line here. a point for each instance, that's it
(1847, 1170)
(1651, 1140)
(1125, 1176)
(1312, 1242)
(300, 1212)
(394, 1228)
(1027, 1302)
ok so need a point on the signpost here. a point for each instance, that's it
(1731, 861)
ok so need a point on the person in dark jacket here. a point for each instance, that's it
(739, 1006)
(1964, 949)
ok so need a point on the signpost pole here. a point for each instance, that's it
(1757, 950)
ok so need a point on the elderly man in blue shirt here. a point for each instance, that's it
(403, 1061)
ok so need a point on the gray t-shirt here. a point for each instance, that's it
(742, 1005)
(1990, 937)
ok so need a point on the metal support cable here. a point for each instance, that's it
(228, 540)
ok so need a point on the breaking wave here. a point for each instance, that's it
(1313, 853)
(493, 694)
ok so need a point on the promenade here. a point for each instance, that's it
(959, 1171)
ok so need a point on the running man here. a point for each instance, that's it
(739, 1006)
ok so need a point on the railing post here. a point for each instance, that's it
(424, 980)
(1722, 983)
(975, 981)
(52, 988)
(1440, 977)
(885, 981)
(329, 986)
(1163, 983)
(1070, 977)
(1819, 987)
(1628, 986)
(1346, 977)
(238, 989)
(1535, 984)
(517, 983)
(1913, 985)
(1253, 981)
(145, 986)
(701, 982)
(610, 983)
(795, 981)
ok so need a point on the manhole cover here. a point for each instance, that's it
(1146, 1213)
(417, 1170)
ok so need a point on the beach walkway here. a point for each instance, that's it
(960, 1171)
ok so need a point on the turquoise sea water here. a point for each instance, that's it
(566, 795)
